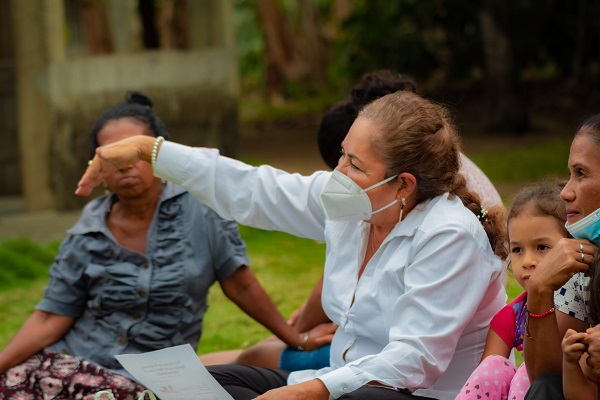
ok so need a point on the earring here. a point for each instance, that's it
(402, 209)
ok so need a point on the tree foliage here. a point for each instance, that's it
(440, 42)
(498, 47)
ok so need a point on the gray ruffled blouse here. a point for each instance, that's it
(128, 302)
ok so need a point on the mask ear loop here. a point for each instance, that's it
(402, 209)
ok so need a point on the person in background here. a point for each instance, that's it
(335, 124)
(536, 222)
(132, 276)
(560, 288)
(411, 277)
(372, 85)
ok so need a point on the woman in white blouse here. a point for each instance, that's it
(411, 277)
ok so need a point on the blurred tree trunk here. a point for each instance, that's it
(172, 25)
(580, 41)
(95, 22)
(293, 53)
(505, 107)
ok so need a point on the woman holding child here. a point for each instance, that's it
(558, 283)
(411, 277)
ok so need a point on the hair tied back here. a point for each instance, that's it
(134, 97)
(482, 215)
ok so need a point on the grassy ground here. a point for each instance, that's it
(287, 266)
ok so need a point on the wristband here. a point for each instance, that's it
(304, 341)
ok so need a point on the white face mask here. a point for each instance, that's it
(343, 200)
(587, 228)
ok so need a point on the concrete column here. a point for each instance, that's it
(124, 25)
(211, 26)
(210, 23)
(39, 40)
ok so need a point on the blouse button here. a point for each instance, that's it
(122, 340)
(142, 293)
(137, 317)
(345, 388)
(145, 264)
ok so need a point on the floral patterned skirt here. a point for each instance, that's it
(53, 376)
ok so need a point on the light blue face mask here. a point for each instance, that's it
(587, 228)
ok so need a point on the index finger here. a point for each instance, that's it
(91, 178)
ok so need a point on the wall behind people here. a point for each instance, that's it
(64, 80)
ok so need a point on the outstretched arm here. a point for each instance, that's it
(40, 330)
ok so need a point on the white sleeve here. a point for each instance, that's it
(262, 197)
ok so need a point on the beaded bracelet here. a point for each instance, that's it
(157, 142)
(542, 315)
(535, 316)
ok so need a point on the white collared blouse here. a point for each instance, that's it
(418, 317)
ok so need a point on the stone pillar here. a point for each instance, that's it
(124, 26)
(39, 40)
(210, 23)
(211, 27)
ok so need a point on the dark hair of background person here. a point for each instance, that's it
(336, 123)
(591, 127)
(138, 106)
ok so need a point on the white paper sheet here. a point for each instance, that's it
(174, 373)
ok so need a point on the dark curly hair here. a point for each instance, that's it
(337, 121)
(138, 106)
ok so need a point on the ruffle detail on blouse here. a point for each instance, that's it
(169, 306)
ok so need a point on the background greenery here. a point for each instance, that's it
(438, 42)
(287, 266)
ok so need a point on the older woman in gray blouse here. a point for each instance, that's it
(132, 276)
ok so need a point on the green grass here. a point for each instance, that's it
(257, 109)
(22, 261)
(288, 267)
(526, 163)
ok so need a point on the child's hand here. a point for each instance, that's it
(572, 346)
